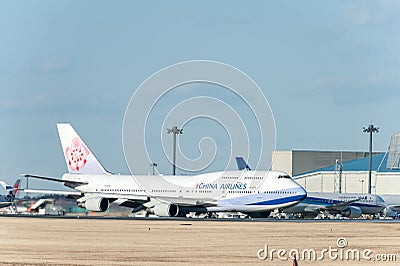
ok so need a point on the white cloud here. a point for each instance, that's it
(31, 102)
(375, 12)
(54, 65)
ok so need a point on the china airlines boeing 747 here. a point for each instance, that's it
(256, 193)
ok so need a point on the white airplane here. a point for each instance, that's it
(392, 205)
(351, 205)
(256, 193)
(8, 200)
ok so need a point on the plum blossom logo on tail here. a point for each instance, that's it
(77, 154)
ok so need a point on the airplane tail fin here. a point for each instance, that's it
(79, 159)
(12, 190)
(15, 189)
(241, 164)
(5, 186)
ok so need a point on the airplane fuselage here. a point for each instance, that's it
(247, 191)
(366, 203)
(256, 192)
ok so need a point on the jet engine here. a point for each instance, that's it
(166, 210)
(9, 198)
(96, 204)
(389, 212)
(352, 212)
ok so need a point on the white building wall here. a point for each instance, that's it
(352, 182)
(282, 161)
(293, 161)
(296, 162)
(388, 183)
(317, 182)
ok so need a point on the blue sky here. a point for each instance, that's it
(327, 68)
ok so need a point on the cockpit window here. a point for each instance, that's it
(284, 176)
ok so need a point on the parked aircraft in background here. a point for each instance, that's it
(351, 205)
(392, 205)
(241, 164)
(253, 192)
(12, 191)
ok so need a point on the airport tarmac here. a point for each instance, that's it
(73, 241)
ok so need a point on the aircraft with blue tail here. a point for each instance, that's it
(351, 205)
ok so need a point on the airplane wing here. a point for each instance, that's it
(53, 192)
(186, 201)
(81, 194)
(125, 199)
(312, 208)
(338, 206)
(5, 204)
(394, 207)
(79, 183)
(134, 197)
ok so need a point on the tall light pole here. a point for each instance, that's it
(176, 131)
(362, 185)
(338, 176)
(153, 165)
(370, 129)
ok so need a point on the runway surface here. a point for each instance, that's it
(155, 218)
(112, 241)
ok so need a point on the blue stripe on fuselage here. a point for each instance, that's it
(278, 201)
(278, 197)
(329, 202)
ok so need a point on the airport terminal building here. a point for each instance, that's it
(343, 171)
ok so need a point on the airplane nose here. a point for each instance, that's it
(303, 193)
